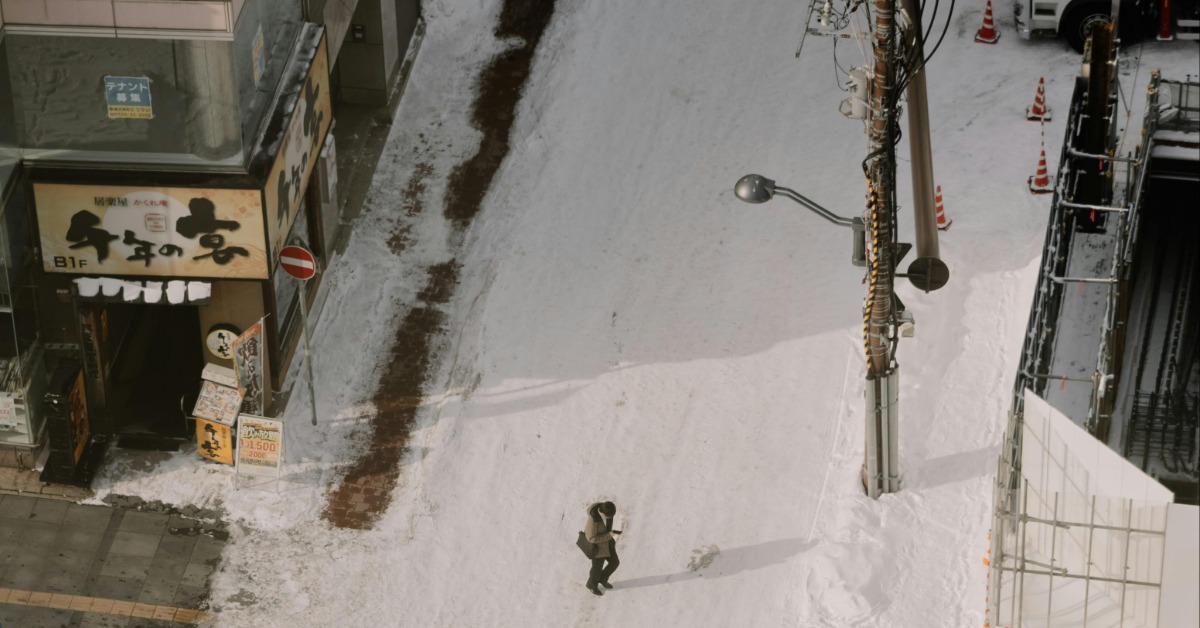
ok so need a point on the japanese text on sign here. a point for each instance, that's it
(214, 441)
(260, 445)
(128, 97)
(124, 230)
(218, 403)
(247, 363)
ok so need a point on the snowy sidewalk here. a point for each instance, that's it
(364, 494)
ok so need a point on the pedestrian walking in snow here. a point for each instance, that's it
(599, 531)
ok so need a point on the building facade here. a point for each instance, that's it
(155, 157)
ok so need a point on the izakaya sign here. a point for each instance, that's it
(298, 149)
(166, 232)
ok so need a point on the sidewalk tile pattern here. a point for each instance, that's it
(67, 564)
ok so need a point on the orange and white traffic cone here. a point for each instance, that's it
(987, 33)
(1039, 111)
(1040, 183)
(943, 224)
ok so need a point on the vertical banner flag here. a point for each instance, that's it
(260, 446)
(77, 411)
(247, 361)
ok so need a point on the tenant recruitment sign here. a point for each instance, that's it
(128, 97)
(260, 446)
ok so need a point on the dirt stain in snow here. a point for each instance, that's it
(495, 108)
(365, 492)
(413, 205)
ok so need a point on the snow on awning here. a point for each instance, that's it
(113, 290)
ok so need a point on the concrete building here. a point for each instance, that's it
(155, 157)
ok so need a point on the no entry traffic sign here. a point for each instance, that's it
(298, 262)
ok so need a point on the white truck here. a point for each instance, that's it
(1137, 19)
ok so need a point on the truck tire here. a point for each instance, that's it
(1138, 19)
(1075, 25)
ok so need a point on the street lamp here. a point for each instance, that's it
(755, 189)
(881, 472)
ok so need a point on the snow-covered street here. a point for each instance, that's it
(626, 329)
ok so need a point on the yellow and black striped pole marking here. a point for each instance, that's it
(873, 277)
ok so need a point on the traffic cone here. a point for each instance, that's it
(942, 223)
(1164, 22)
(987, 33)
(1040, 183)
(1039, 111)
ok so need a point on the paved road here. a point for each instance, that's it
(79, 566)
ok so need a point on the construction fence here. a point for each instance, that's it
(1083, 538)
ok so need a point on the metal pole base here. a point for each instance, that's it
(881, 469)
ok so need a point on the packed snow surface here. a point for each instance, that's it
(627, 329)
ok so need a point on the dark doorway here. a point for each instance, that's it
(156, 359)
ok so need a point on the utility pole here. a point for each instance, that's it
(881, 467)
(884, 318)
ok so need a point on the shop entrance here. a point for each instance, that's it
(156, 360)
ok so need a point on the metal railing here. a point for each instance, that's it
(1013, 515)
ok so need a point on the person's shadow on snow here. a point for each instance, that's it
(712, 562)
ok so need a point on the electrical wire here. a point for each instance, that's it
(858, 33)
(945, 28)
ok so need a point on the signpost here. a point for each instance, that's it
(299, 263)
(260, 446)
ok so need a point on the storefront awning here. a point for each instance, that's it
(114, 290)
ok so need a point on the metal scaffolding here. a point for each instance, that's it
(1067, 548)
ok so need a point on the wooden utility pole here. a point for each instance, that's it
(880, 468)
(880, 176)
(884, 317)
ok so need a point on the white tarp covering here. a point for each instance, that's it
(1090, 546)
(1180, 604)
(1067, 459)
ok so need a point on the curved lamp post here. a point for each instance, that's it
(880, 468)
(755, 188)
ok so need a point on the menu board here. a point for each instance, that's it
(218, 403)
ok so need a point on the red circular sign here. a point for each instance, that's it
(298, 262)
